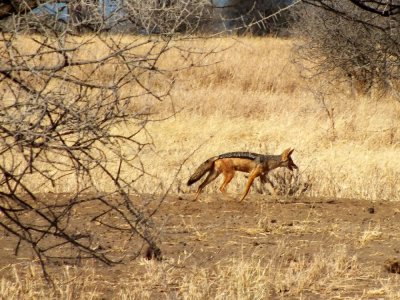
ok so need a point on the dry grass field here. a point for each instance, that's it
(256, 100)
(328, 234)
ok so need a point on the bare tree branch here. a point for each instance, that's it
(74, 112)
(351, 43)
(382, 8)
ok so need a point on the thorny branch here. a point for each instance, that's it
(350, 42)
(73, 117)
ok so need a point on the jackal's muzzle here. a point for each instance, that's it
(292, 166)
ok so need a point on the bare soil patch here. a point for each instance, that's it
(217, 230)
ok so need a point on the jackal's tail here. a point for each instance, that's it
(202, 169)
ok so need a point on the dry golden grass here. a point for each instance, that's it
(334, 273)
(250, 96)
(256, 100)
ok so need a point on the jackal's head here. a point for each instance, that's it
(286, 160)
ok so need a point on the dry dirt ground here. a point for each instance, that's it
(218, 228)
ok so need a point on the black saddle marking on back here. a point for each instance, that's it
(246, 155)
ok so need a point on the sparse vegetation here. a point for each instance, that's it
(256, 100)
(248, 97)
(221, 249)
(354, 41)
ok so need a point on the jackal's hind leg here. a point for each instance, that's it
(210, 177)
(227, 178)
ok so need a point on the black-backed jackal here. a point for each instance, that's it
(253, 163)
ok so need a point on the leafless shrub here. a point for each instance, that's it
(283, 182)
(63, 102)
(350, 43)
(155, 16)
(290, 183)
(257, 17)
(134, 16)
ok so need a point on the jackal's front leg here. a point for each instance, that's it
(253, 175)
(270, 186)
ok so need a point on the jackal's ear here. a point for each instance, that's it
(285, 154)
(290, 152)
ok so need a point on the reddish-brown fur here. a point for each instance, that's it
(227, 164)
